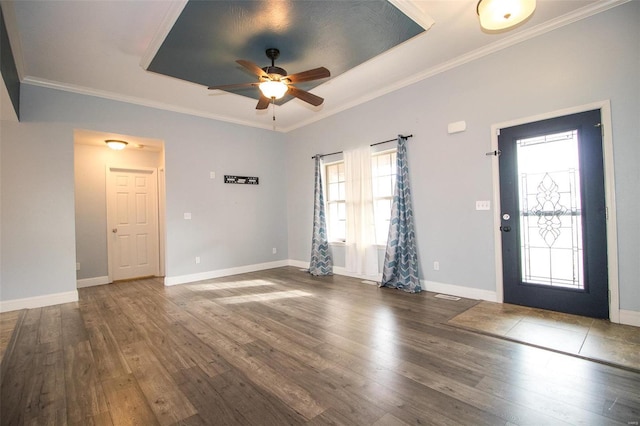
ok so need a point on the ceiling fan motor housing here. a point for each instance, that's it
(280, 72)
(273, 54)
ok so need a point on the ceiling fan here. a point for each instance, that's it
(274, 82)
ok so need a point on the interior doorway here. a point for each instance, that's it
(93, 159)
(132, 220)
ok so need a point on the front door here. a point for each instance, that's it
(553, 215)
(132, 217)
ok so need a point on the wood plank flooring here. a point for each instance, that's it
(281, 347)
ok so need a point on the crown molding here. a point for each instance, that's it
(33, 81)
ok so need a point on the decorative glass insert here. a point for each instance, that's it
(550, 210)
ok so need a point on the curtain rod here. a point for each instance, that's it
(373, 144)
(391, 140)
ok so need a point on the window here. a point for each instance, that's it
(383, 175)
(336, 206)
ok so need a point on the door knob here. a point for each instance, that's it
(114, 230)
(505, 228)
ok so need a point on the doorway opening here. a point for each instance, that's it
(100, 252)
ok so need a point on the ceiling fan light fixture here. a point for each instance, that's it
(498, 15)
(273, 89)
(116, 145)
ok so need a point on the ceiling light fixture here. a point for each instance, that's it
(273, 89)
(116, 145)
(498, 15)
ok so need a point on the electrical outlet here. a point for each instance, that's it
(212, 175)
(274, 250)
(77, 266)
(187, 216)
(436, 266)
(197, 259)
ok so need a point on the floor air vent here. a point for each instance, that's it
(446, 296)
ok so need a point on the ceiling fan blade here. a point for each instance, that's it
(305, 96)
(232, 86)
(263, 102)
(253, 68)
(314, 74)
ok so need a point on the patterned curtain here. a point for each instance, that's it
(321, 262)
(401, 258)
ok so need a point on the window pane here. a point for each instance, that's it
(332, 173)
(335, 201)
(384, 165)
(341, 232)
(342, 211)
(334, 193)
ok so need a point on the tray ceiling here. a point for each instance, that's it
(103, 48)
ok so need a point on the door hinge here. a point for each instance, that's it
(601, 128)
(606, 213)
(495, 153)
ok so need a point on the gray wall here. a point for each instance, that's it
(592, 60)
(232, 225)
(38, 236)
(90, 164)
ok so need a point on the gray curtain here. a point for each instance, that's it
(321, 262)
(401, 257)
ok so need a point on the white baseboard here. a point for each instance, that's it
(208, 275)
(38, 301)
(630, 317)
(455, 290)
(90, 282)
(460, 291)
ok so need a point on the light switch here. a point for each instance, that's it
(187, 216)
(483, 205)
(212, 175)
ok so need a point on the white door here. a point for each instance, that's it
(132, 223)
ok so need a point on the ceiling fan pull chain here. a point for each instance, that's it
(273, 102)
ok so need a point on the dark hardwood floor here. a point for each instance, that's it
(281, 347)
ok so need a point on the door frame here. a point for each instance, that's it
(609, 188)
(159, 206)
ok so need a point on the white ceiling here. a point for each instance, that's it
(99, 48)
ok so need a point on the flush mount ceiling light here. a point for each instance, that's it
(116, 144)
(498, 15)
